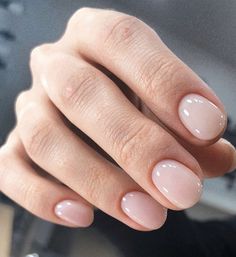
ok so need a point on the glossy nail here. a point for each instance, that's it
(75, 213)
(201, 117)
(177, 183)
(144, 210)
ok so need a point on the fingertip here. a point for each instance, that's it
(144, 210)
(75, 213)
(201, 117)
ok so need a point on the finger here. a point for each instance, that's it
(141, 147)
(42, 197)
(134, 53)
(217, 159)
(61, 153)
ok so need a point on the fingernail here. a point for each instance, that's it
(201, 117)
(177, 183)
(233, 164)
(75, 213)
(144, 210)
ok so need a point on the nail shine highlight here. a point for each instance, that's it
(201, 117)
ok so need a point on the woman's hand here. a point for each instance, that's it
(110, 92)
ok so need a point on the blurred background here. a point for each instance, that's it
(201, 32)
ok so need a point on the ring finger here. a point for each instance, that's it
(51, 145)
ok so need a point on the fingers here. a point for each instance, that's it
(215, 160)
(134, 53)
(42, 197)
(148, 153)
(51, 145)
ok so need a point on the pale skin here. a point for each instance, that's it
(49, 167)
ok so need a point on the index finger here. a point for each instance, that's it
(133, 52)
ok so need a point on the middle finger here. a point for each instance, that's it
(148, 153)
(133, 52)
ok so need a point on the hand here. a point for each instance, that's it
(113, 120)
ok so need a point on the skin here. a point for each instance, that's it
(116, 84)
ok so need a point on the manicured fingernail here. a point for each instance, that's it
(144, 210)
(75, 213)
(177, 183)
(201, 117)
(233, 164)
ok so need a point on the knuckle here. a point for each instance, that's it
(121, 31)
(79, 89)
(35, 198)
(131, 147)
(92, 186)
(40, 50)
(13, 144)
(74, 19)
(13, 140)
(40, 54)
(166, 144)
(12, 136)
(39, 139)
(161, 72)
(22, 98)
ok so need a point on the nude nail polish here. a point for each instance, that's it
(177, 183)
(144, 210)
(201, 117)
(75, 213)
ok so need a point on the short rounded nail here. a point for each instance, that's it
(144, 210)
(201, 117)
(75, 213)
(177, 183)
